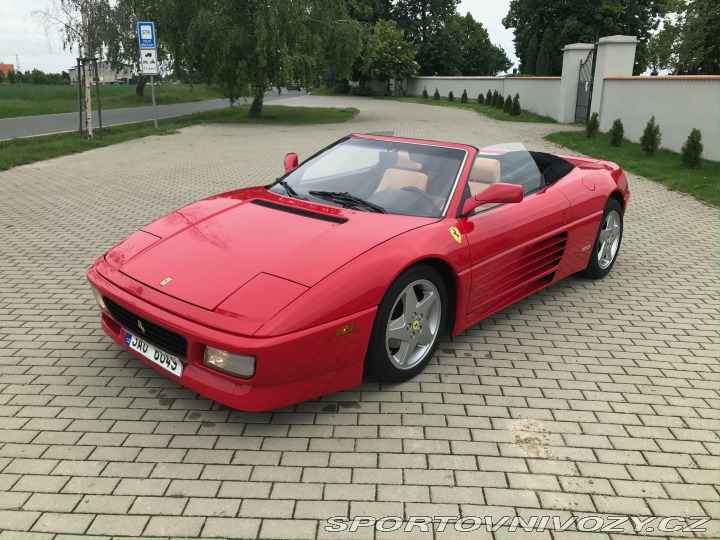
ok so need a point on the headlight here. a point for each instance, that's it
(99, 299)
(240, 365)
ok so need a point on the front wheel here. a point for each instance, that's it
(408, 324)
(607, 242)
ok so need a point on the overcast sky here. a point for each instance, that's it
(23, 35)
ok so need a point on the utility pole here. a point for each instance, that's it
(86, 67)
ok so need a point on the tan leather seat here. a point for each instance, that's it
(399, 178)
(485, 171)
(404, 161)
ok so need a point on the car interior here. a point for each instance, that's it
(409, 182)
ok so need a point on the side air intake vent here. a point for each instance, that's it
(530, 268)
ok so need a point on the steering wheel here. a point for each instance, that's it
(428, 199)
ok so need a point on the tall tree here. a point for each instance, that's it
(388, 55)
(530, 64)
(423, 22)
(698, 51)
(582, 21)
(546, 55)
(469, 50)
(687, 44)
(246, 46)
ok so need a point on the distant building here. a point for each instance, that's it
(106, 74)
(4, 68)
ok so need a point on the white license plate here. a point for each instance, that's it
(166, 361)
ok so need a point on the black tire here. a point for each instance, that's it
(382, 355)
(596, 268)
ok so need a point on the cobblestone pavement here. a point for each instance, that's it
(586, 398)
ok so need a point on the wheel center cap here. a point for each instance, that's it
(415, 325)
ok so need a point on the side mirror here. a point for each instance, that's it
(495, 193)
(291, 162)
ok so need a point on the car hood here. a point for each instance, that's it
(212, 248)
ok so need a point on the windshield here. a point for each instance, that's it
(396, 177)
(510, 163)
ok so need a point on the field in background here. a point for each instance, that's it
(32, 99)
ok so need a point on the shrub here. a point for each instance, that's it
(451, 96)
(425, 94)
(463, 98)
(500, 103)
(651, 137)
(515, 110)
(481, 99)
(496, 97)
(592, 126)
(361, 91)
(617, 132)
(692, 149)
(436, 95)
(488, 97)
(507, 106)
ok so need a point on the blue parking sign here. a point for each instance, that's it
(146, 34)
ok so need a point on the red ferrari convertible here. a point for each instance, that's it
(358, 259)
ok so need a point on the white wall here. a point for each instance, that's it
(679, 103)
(537, 94)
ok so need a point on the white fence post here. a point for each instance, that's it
(615, 58)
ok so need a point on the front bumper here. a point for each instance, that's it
(290, 368)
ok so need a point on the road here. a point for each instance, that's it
(27, 126)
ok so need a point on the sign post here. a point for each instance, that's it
(148, 57)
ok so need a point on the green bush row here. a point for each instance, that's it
(691, 151)
(493, 99)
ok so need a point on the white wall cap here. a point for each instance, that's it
(578, 47)
(618, 39)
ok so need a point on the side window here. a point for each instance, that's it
(485, 172)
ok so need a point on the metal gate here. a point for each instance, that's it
(585, 87)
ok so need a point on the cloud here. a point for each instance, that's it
(23, 35)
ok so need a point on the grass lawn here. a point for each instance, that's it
(487, 110)
(31, 99)
(14, 152)
(664, 167)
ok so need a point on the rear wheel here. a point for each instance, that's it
(407, 326)
(607, 242)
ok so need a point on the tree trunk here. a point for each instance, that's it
(140, 86)
(86, 68)
(256, 107)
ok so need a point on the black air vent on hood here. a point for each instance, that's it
(299, 211)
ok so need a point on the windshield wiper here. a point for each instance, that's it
(290, 191)
(348, 200)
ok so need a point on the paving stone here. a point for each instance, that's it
(117, 525)
(231, 528)
(288, 529)
(63, 523)
(620, 421)
(174, 526)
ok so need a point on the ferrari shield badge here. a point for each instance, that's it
(456, 235)
(165, 281)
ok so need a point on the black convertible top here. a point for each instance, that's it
(552, 167)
